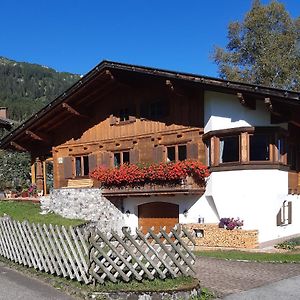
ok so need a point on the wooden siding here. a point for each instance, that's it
(103, 133)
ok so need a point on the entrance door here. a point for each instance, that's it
(158, 214)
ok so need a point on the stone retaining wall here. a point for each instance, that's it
(87, 204)
(213, 236)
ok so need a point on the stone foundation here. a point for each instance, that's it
(210, 235)
(87, 204)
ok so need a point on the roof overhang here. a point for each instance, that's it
(103, 77)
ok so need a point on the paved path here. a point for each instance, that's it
(286, 289)
(229, 277)
(14, 285)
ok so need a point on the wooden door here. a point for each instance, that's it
(158, 214)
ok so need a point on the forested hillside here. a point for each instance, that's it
(25, 87)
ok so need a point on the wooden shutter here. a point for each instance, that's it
(134, 156)
(92, 162)
(278, 218)
(192, 151)
(68, 167)
(159, 154)
(289, 212)
(106, 159)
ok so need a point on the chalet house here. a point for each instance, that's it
(248, 136)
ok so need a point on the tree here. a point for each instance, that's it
(263, 49)
(14, 169)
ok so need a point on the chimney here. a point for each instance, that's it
(3, 112)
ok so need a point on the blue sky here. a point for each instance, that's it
(74, 36)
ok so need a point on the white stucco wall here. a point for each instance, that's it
(224, 111)
(256, 197)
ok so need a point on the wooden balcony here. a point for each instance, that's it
(186, 187)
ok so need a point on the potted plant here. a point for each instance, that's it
(32, 190)
(231, 223)
(24, 193)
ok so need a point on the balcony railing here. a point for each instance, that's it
(187, 187)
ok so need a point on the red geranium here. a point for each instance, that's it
(163, 173)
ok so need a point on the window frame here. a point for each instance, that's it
(82, 165)
(274, 133)
(239, 149)
(176, 146)
(121, 152)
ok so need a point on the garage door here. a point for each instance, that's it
(158, 214)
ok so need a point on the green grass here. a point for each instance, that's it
(287, 257)
(21, 211)
(83, 291)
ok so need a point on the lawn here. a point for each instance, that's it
(21, 211)
(286, 257)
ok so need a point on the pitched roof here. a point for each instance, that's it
(108, 68)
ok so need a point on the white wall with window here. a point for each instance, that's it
(249, 176)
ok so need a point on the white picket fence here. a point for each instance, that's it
(69, 253)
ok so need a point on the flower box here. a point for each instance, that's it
(166, 178)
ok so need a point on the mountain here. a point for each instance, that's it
(25, 88)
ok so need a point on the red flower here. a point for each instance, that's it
(131, 174)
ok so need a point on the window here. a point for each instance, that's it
(249, 146)
(281, 150)
(81, 166)
(171, 155)
(229, 149)
(176, 153)
(284, 216)
(121, 158)
(155, 110)
(208, 152)
(259, 147)
(182, 153)
(123, 115)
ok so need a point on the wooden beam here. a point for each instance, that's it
(174, 90)
(269, 104)
(18, 147)
(241, 98)
(109, 75)
(73, 111)
(249, 103)
(38, 136)
(33, 173)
